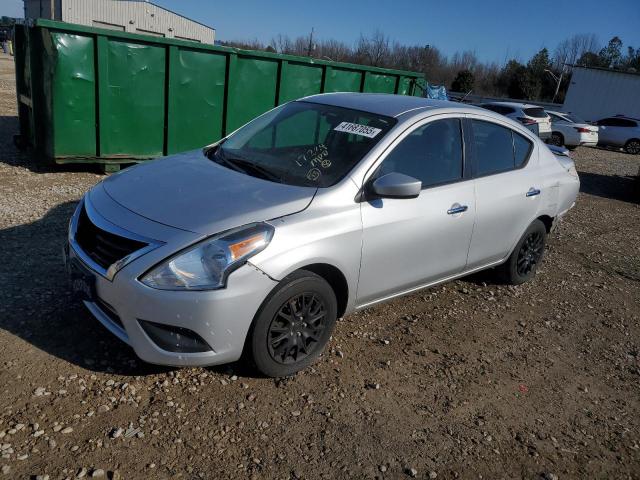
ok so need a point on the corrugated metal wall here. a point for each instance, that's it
(122, 15)
(594, 94)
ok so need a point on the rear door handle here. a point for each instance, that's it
(457, 208)
(533, 192)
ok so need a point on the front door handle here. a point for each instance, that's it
(533, 192)
(457, 208)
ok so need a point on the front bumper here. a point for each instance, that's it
(220, 317)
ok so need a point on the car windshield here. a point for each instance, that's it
(303, 143)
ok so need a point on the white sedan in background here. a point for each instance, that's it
(531, 116)
(571, 131)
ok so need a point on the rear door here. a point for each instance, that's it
(507, 191)
(407, 243)
(610, 131)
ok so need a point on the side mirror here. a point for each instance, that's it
(396, 185)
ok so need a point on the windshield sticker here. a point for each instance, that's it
(358, 129)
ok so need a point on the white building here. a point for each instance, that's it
(123, 15)
(595, 93)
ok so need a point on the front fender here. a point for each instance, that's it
(306, 239)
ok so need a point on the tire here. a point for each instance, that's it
(632, 146)
(281, 344)
(523, 262)
(556, 139)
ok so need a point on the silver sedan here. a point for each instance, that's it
(255, 245)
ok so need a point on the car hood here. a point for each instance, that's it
(191, 192)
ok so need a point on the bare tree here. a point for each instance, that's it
(334, 50)
(282, 44)
(373, 50)
(571, 49)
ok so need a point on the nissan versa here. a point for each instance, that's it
(257, 244)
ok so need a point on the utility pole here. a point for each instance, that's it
(557, 79)
(310, 43)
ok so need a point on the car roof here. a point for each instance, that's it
(625, 117)
(381, 103)
(513, 104)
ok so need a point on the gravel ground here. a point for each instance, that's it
(468, 380)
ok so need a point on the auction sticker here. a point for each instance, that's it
(358, 129)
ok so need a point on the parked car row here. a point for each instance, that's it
(565, 129)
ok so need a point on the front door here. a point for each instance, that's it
(411, 242)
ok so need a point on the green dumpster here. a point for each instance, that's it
(100, 96)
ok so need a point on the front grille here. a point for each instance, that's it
(104, 248)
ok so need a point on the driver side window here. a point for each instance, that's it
(431, 153)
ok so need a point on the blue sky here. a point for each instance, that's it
(493, 29)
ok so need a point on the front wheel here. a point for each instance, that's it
(523, 262)
(293, 325)
(632, 147)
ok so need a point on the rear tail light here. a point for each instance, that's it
(527, 121)
(582, 129)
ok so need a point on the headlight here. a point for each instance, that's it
(206, 265)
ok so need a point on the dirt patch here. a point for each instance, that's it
(471, 379)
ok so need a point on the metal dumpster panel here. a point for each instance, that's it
(376, 83)
(252, 89)
(341, 80)
(299, 80)
(196, 98)
(132, 80)
(70, 69)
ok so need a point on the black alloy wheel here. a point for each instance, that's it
(530, 253)
(293, 325)
(632, 147)
(522, 264)
(297, 328)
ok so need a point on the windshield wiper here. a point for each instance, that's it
(258, 170)
(220, 157)
(243, 166)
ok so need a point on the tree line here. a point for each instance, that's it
(543, 77)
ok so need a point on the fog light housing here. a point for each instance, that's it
(174, 339)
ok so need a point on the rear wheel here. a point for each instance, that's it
(556, 139)
(632, 146)
(293, 325)
(525, 258)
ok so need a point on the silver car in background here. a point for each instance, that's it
(620, 132)
(257, 244)
(571, 131)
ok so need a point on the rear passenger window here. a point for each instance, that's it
(521, 149)
(431, 153)
(498, 149)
